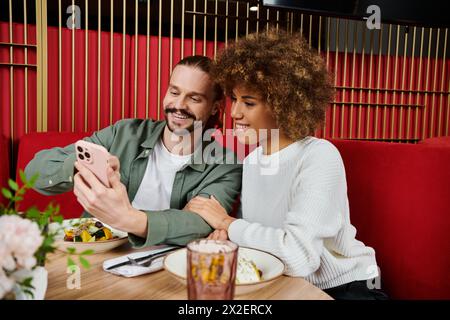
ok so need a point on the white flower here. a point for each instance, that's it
(6, 284)
(19, 240)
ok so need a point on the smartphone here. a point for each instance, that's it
(95, 158)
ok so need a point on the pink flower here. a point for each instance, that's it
(20, 239)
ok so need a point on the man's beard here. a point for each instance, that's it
(186, 113)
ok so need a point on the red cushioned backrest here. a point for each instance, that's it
(29, 145)
(4, 165)
(399, 202)
(441, 141)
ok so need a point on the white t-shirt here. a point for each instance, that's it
(155, 189)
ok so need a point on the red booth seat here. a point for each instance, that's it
(399, 202)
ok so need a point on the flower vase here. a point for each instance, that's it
(39, 282)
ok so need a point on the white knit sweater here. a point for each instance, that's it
(295, 206)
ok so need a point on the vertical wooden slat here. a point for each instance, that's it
(124, 27)
(378, 93)
(386, 82)
(226, 27)
(171, 38)
(11, 74)
(44, 66)
(183, 6)
(301, 24)
(73, 68)
(412, 76)
(194, 20)
(352, 91)
(42, 73)
(419, 85)
(427, 77)
(158, 104)
(99, 54)
(395, 84)
(59, 68)
(25, 35)
(257, 18)
(205, 22)
(224, 114)
(442, 83)
(267, 19)
(136, 48)
(327, 48)
(320, 53)
(369, 93)
(344, 81)
(361, 81)
(310, 31)
(215, 28)
(147, 54)
(402, 96)
(237, 21)
(278, 20)
(336, 59)
(291, 22)
(247, 20)
(111, 64)
(86, 64)
(39, 65)
(435, 73)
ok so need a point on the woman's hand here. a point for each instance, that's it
(218, 235)
(110, 205)
(211, 211)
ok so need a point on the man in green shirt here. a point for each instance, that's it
(156, 167)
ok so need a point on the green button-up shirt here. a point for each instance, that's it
(132, 141)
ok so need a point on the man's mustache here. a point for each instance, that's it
(182, 111)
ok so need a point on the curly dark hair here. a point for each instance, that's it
(291, 78)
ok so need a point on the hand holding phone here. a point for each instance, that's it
(95, 158)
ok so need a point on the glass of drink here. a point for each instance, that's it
(211, 269)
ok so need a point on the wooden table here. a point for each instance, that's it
(98, 284)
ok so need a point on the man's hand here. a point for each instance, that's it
(211, 211)
(218, 235)
(114, 163)
(110, 205)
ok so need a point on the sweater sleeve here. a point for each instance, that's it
(315, 214)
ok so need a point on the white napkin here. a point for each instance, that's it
(134, 271)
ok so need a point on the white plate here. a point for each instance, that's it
(271, 267)
(97, 246)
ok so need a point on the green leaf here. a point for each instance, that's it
(70, 262)
(85, 263)
(58, 219)
(30, 293)
(23, 177)
(71, 250)
(6, 193)
(33, 213)
(13, 185)
(27, 282)
(87, 252)
(17, 199)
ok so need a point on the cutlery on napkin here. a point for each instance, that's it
(124, 266)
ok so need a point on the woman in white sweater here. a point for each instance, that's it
(294, 192)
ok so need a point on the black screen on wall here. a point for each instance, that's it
(414, 12)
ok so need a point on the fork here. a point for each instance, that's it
(148, 262)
